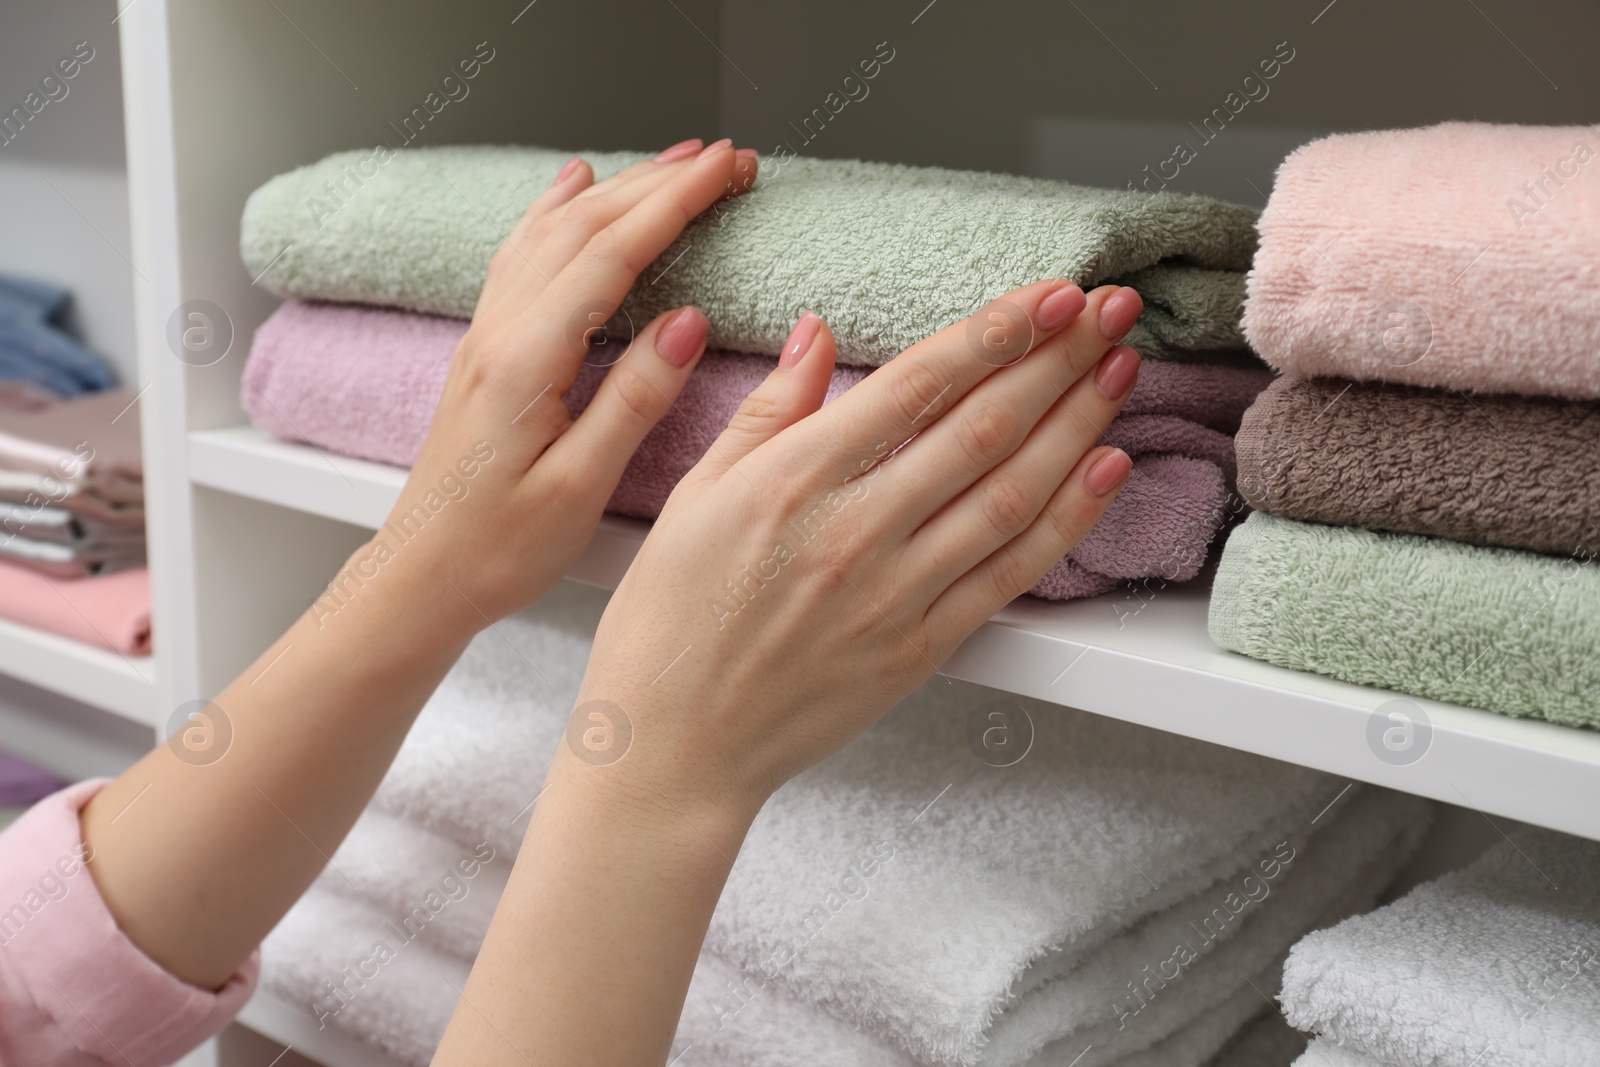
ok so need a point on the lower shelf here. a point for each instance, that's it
(122, 685)
(295, 1027)
(1145, 659)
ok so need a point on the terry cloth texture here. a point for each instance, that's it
(1460, 256)
(1496, 965)
(1520, 472)
(886, 254)
(1492, 628)
(945, 908)
(365, 382)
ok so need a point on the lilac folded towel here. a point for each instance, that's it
(1513, 471)
(1462, 255)
(364, 382)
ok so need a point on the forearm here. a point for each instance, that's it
(199, 852)
(593, 945)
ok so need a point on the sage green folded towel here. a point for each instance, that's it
(886, 254)
(1493, 628)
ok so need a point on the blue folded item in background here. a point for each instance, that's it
(35, 346)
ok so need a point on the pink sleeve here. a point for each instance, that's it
(73, 989)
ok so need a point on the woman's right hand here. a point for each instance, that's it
(817, 565)
(810, 571)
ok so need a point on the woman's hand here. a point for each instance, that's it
(809, 572)
(198, 852)
(508, 487)
(815, 568)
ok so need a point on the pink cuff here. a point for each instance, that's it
(87, 981)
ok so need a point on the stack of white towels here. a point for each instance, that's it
(1496, 965)
(1120, 895)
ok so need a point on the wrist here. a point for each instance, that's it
(380, 596)
(678, 812)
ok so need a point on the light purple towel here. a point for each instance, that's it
(364, 382)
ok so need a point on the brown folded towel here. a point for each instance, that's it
(1520, 472)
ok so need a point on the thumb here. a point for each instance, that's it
(795, 388)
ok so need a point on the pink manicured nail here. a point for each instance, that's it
(1118, 313)
(566, 170)
(681, 150)
(1107, 472)
(682, 336)
(801, 338)
(1119, 369)
(746, 153)
(1060, 307)
(715, 146)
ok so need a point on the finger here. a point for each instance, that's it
(569, 184)
(637, 391)
(795, 388)
(992, 421)
(1018, 565)
(512, 277)
(622, 232)
(553, 239)
(910, 392)
(1004, 502)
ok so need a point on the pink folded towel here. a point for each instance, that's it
(364, 382)
(111, 611)
(1463, 256)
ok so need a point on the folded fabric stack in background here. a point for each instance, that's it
(1117, 896)
(22, 784)
(364, 382)
(35, 347)
(1428, 476)
(1496, 965)
(72, 540)
(886, 254)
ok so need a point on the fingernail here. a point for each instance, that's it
(566, 170)
(682, 336)
(1061, 307)
(1107, 472)
(1119, 369)
(715, 146)
(746, 153)
(801, 338)
(681, 150)
(1118, 313)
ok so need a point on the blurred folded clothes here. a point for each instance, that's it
(71, 484)
(108, 610)
(35, 347)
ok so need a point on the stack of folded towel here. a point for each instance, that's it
(1497, 965)
(1428, 470)
(1118, 896)
(886, 254)
(72, 541)
(37, 350)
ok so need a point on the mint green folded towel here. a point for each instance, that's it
(886, 254)
(1493, 628)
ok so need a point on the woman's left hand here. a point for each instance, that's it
(508, 487)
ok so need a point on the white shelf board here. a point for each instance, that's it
(122, 685)
(1156, 666)
(295, 1026)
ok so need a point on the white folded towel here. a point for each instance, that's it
(1495, 965)
(910, 888)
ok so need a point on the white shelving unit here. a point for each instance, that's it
(1149, 662)
(221, 95)
(64, 178)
